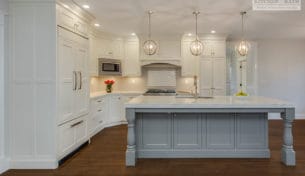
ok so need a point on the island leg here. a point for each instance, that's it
(131, 139)
(288, 154)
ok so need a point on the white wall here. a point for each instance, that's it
(32, 84)
(281, 71)
(3, 157)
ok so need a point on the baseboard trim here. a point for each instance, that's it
(4, 165)
(33, 164)
(115, 124)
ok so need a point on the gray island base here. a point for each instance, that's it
(222, 127)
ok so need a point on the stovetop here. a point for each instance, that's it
(160, 92)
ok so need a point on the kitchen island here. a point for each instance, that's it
(219, 127)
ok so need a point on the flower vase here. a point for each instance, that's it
(109, 88)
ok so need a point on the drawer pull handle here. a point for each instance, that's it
(77, 123)
(99, 101)
(99, 110)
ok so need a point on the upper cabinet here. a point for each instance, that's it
(189, 62)
(169, 48)
(104, 46)
(131, 62)
(70, 21)
(214, 48)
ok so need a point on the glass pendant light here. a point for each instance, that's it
(243, 47)
(196, 46)
(150, 46)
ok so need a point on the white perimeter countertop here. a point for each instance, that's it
(103, 93)
(216, 102)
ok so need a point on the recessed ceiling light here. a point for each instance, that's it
(97, 25)
(133, 34)
(213, 31)
(86, 6)
(66, 6)
(189, 34)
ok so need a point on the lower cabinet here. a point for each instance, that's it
(107, 110)
(71, 135)
(204, 132)
(98, 114)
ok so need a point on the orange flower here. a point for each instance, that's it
(109, 82)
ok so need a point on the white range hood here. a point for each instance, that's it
(168, 52)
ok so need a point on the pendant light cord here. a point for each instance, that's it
(196, 16)
(149, 24)
(242, 24)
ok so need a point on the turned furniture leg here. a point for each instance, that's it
(131, 139)
(288, 154)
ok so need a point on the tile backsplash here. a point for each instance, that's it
(137, 83)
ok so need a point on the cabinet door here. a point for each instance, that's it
(115, 108)
(106, 48)
(219, 77)
(117, 49)
(189, 62)
(207, 49)
(92, 121)
(65, 18)
(81, 130)
(252, 131)
(218, 48)
(187, 131)
(156, 131)
(66, 138)
(220, 131)
(82, 92)
(66, 76)
(206, 77)
(81, 27)
(131, 60)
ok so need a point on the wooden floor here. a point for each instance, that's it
(106, 156)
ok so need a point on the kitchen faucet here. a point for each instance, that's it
(196, 87)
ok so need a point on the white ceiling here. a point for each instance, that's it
(175, 17)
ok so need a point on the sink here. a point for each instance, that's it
(188, 95)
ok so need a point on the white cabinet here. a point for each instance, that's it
(111, 48)
(116, 106)
(73, 91)
(131, 62)
(117, 47)
(189, 62)
(98, 114)
(70, 21)
(107, 110)
(214, 48)
(212, 77)
(73, 81)
(71, 135)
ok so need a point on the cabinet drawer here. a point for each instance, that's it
(66, 138)
(71, 135)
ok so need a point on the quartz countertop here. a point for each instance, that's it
(215, 102)
(103, 93)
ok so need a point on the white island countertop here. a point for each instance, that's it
(215, 102)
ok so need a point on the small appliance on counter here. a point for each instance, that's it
(109, 67)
